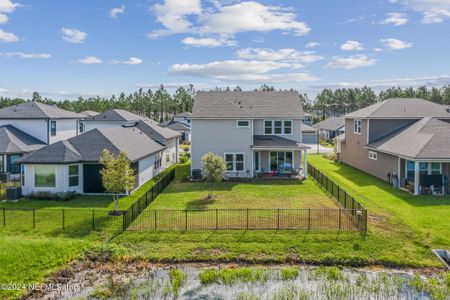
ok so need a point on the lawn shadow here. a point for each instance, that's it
(200, 203)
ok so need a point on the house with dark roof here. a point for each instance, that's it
(182, 123)
(121, 118)
(257, 133)
(73, 165)
(404, 141)
(330, 127)
(29, 126)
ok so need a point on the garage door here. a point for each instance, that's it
(309, 138)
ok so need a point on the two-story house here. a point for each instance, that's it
(182, 123)
(402, 140)
(257, 133)
(29, 126)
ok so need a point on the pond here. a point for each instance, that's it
(190, 282)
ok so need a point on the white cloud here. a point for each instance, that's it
(131, 61)
(352, 46)
(169, 85)
(8, 37)
(433, 11)
(73, 35)
(3, 18)
(395, 44)
(208, 42)
(286, 54)
(7, 6)
(351, 62)
(89, 60)
(224, 20)
(113, 13)
(173, 15)
(312, 45)
(396, 19)
(26, 55)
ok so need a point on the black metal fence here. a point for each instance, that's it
(346, 200)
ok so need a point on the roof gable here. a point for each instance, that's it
(117, 115)
(247, 105)
(332, 123)
(13, 140)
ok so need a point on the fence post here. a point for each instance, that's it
(339, 220)
(345, 199)
(93, 219)
(146, 199)
(338, 194)
(4, 217)
(34, 218)
(309, 218)
(155, 218)
(186, 219)
(124, 223)
(63, 218)
(217, 219)
(153, 197)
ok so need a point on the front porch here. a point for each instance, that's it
(424, 177)
(277, 157)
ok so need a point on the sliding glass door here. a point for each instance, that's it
(281, 161)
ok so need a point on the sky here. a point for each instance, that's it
(66, 49)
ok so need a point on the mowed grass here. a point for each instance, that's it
(393, 213)
(260, 194)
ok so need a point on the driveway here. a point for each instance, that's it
(322, 149)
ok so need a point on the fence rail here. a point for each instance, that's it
(346, 200)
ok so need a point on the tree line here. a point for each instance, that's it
(160, 105)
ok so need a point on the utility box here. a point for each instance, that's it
(13, 193)
(196, 174)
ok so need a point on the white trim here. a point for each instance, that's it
(367, 135)
(373, 155)
(357, 126)
(282, 126)
(268, 159)
(257, 154)
(238, 126)
(234, 161)
(68, 176)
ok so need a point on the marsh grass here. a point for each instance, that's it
(289, 273)
(233, 276)
(177, 278)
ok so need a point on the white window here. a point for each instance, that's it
(74, 175)
(235, 161)
(81, 127)
(53, 128)
(243, 123)
(373, 155)
(44, 176)
(357, 126)
(278, 127)
(157, 163)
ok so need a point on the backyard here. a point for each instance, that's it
(402, 228)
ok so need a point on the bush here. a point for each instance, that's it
(52, 196)
(331, 156)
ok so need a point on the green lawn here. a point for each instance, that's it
(423, 220)
(261, 194)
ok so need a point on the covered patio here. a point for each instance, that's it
(278, 157)
(421, 177)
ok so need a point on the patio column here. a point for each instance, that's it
(416, 178)
(305, 163)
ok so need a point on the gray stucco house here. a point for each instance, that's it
(257, 133)
(402, 140)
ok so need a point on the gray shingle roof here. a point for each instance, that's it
(89, 113)
(428, 138)
(332, 123)
(117, 115)
(401, 108)
(274, 141)
(157, 132)
(307, 128)
(36, 110)
(184, 114)
(13, 140)
(178, 126)
(88, 147)
(247, 105)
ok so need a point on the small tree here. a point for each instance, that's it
(117, 175)
(213, 168)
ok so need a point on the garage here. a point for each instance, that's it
(309, 134)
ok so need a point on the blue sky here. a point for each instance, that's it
(64, 49)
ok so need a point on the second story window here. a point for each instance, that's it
(243, 123)
(357, 126)
(277, 127)
(52, 128)
(81, 127)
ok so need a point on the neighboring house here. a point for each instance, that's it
(403, 139)
(29, 126)
(309, 134)
(182, 123)
(330, 128)
(89, 113)
(73, 165)
(118, 118)
(257, 133)
(112, 118)
(308, 119)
